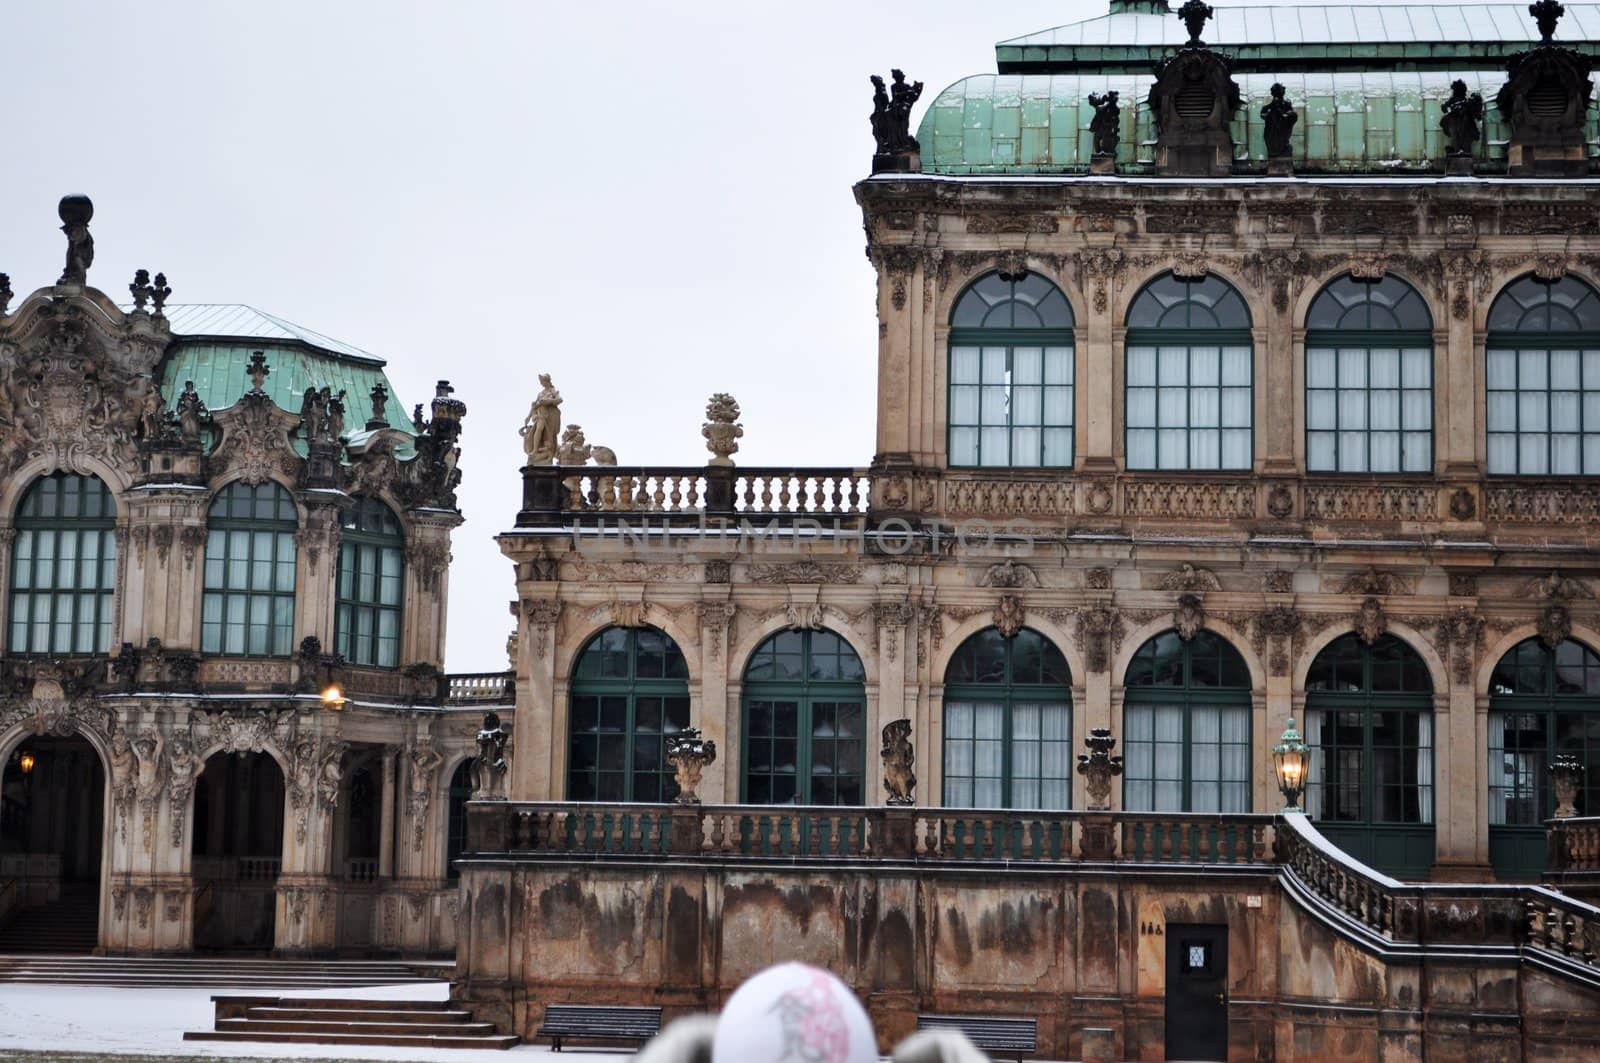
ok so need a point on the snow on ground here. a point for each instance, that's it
(150, 1022)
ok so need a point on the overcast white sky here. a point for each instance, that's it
(649, 200)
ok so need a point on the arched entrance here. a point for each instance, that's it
(52, 836)
(237, 850)
(456, 831)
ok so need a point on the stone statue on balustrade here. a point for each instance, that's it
(541, 432)
(1278, 119)
(897, 149)
(899, 780)
(1106, 126)
(689, 754)
(489, 767)
(1461, 114)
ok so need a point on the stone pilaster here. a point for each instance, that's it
(427, 585)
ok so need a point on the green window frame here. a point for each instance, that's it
(64, 567)
(805, 721)
(1186, 726)
(368, 608)
(1369, 723)
(1542, 376)
(1369, 378)
(629, 693)
(247, 605)
(1012, 375)
(1541, 702)
(1008, 723)
(1188, 372)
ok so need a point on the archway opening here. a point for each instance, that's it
(456, 840)
(51, 838)
(237, 849)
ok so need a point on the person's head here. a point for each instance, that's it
(794, 1011)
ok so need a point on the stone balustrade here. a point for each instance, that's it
(480, 688)
(558, 494)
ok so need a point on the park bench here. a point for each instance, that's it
(566, 1022)
(1011, 1037)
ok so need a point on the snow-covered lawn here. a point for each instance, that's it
(94, 1022)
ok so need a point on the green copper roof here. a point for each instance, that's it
(1349, 123)
(215, 359)
(1380, 37)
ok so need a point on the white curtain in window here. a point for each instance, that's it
(1205, 759)
(988, 728)
(1315, 770)
(1055, 757)
(1499, 779)
(1235, 759)
(1137, 726)
(1425, 766)
(1168, 758)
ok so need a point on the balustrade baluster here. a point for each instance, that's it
(766, 494)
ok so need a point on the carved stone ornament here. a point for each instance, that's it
(1009, 574)
(256, 440)
(1370, 624)
(1280, 502)
(1193, 103)
(1101, 270)
(1463, 585)
(896, 151)
(1189, 617)
(541, 616)
(1463, 504)
(1189, 578)
(1097, 579)
(425, 762)
(716, 620)
(1554, 624)
(1009, 615)
(1566, 772)
(1278, 581)
(1191, 266)
(721, 430)
(899, 781)
(489, 768)
(1461, 631)
(890, 619)
(1098, 497)
(1098, 632)
(689, 754)
(1098, 767)
(1280, 626)
(1370, 582)
(1546, 98)
(804, 572)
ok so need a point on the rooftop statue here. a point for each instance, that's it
(76, 212)
(891, 121)
(541, 431)
(1195, 14)
(1279, 118)
(1461, 114)
(1106, 126)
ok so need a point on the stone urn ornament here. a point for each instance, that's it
(689, 754)
(899, 781)
(721, 429)
(1098, 766)
(1565, 772)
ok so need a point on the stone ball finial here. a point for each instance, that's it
(75, 209)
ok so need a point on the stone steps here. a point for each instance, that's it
(332, 1021)
(70, 924)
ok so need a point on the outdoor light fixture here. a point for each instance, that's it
(1289, 758)
(25, 762)
(333, 697)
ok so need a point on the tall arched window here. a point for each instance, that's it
(1369, 378)
(1011, 374)
(1186, 718)
(1541, 702)
(367, 628)
(459, 794)
(805, 721)
(1369, 723)
(630, 690)
(1189, 374)
(1543, 372)
(64, 567)
(1007, 723)
(248, 605)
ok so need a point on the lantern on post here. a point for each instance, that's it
(1290, 759)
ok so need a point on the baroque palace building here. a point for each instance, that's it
(1226, 374)
(225, 547)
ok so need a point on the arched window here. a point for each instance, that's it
(630, 690)
(1011, 374)
(64, 567)
(805, 721)
(1369, 723)
(1007, 723)
(248, 605)
(1369, 378)
(1543, 371)
(370, 562)
(1189, 373)
(1541, 702)
(1186, 718)
(456, 831)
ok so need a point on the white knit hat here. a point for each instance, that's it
(796, 1013)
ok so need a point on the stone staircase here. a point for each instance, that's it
(331, 1021)
(68, 925)
(217, 972)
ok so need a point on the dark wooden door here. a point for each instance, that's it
(1197, 992)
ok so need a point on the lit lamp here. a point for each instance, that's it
(1289, 758)
(333, 697)
(25, 762)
